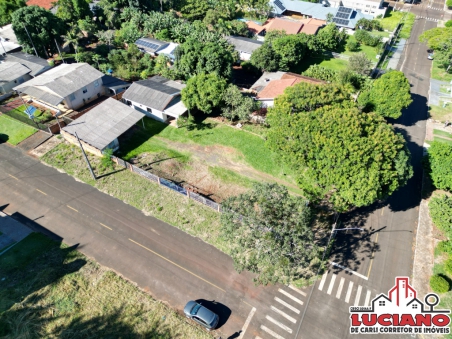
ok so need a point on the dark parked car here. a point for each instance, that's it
(201, 315)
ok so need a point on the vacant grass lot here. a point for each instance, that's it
(392, 19)
(160, 202)
(370, 52)
(14, 131)
(252, 148)
(440, 73)
(53, 291)
(324, 61)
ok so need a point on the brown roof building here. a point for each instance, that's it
(47, 4)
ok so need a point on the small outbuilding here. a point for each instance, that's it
(245, 46)
(101, 127)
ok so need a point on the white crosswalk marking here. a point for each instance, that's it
(330, 288)
(358, 295)
(276, 322)
(339, 290)
(349, 292)
(322, 282)
(297, 290)
(290, 307)
(290, 296)
(366, 303)
(269, 331)
(288, 317)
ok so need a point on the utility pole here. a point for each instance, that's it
(29, 37)
(86, 158)
(58, 47)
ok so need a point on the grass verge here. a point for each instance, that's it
(446, 141)
(440, 73)
(440, 113)
(14, 131)
(442, 133)
(53, 291)
(173, 208)
(392, 19)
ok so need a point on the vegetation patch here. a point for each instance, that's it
(53, 291)
(440, 73)
(440, 113)
(14, 131)
(228, 176)
(442, 133)
(439, 139)
(392, 19)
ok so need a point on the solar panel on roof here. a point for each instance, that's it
(342, 15)
(341, 22)
(344, 10)
(279, 4)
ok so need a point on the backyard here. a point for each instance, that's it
(13, 131)
(53, 291)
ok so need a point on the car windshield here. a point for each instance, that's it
(195, 309)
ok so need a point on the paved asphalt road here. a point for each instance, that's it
(175, 267)
(384, 249)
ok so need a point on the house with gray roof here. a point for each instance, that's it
(16, 68)
(68, 86)
(342, 16)
(156, 47)
(101, 127)
(245, 46)
(157, 97)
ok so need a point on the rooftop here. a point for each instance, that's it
(63, 80)
(35, 64)
(10, 71)
(156, 92)
(242, 44)
(289, 26)
(104, 123)
(151, 45)
(47, 4)
(254, 27)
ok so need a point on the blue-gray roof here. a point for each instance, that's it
(317, 11)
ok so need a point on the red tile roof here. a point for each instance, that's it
(47, 4)
(253, 27)
(277, 87)
(291, 27)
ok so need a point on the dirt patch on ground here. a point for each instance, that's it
(46, 146)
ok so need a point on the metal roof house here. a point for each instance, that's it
(245, 46)
(35, 64)
(100, 128)
(157, 97)
(156, 47)
(68, 86)
(342, 16)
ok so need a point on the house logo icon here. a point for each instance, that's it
(400, 311)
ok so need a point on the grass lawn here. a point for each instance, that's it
(324, 61)
(252, 148)
(370, 52)
(440, 73)
(441, 113)
(53, 291)
(442, 133)
(380, 33)
(440, 139)
(391, 20)
(14, 131)
(160, 202)
(228, 176)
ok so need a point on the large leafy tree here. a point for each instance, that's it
(265, 58)
(360, 64)
(7, 7)
(73, 10)
(440, 39)
(353, 158)
(44, 28)
(329, 37)
(196, 56)
(290, 49)
(388, 95)
(440, 165)
(270, 234)
(237, 105)
(204, 92)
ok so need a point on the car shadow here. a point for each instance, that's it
(221, 310)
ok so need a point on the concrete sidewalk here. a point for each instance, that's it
(12, 231)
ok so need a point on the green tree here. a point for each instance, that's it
(87, 26)
(330, 37)
(440, 207)
(195, 9)
(265, 58)
(204, 92)
(7, 7)
(439, 39)
(438, 283)
(290, 49)
(360, 64)
(439, 162)
(197, 56)
(72, 37)
(270, 234)
(322, 73)
(388, 95)
(236, 104)
(43, 27)
(352, 45)
(73, 10)
(352, 158)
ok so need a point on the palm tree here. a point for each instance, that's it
(106, 36)
(72, 37)
(97, 58)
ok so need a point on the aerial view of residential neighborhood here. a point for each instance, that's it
(225, 169)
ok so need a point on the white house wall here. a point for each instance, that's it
(8, 87)
(267, 103)
(157, 115)
(90, 95)
(245, 56)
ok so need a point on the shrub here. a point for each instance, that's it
(352, 46)
(449, 3)
(448, 23)
(438, 284)
(439, 161)
(106, 161)
(444, 246)
(441, 213)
